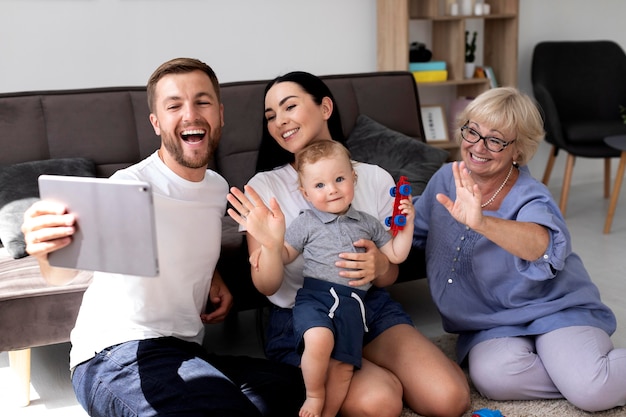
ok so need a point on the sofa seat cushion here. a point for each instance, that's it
(398, 154)
(21, 278)
(32, 312)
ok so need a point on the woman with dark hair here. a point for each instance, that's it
(271, 154)
(399, 364)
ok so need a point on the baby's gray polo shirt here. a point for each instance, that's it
(321, 236)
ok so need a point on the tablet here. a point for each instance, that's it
(115, 224)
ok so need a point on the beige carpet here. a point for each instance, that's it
(537, 408)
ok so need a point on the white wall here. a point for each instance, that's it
(56, 44)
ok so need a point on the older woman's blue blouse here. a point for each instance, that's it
(482, 291)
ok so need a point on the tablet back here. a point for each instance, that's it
(115, 224)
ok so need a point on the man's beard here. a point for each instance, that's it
(201, 157)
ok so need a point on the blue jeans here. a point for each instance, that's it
(168, 376)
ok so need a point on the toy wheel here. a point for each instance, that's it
(388, 221)
(400, 220)
(392, 191)
(405, 189)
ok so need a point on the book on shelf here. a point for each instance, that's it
(430, 76)
(427, 66)
(493, 83)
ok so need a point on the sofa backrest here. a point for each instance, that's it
(107, 125)
(111, 127)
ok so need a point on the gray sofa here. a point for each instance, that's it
(110, 127)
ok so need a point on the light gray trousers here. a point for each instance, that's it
(578, 363)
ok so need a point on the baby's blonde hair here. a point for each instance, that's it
(317, 150)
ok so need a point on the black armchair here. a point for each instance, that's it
(580, 86)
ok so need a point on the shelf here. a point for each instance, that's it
(464, 88)
(470, 81)
(499, 34)
(433, 9)
(443, 144)
(461, 17)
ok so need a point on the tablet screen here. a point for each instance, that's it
(115, 224)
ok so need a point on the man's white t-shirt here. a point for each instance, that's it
(118, 308)
(371, 195)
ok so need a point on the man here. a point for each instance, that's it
(136, 345)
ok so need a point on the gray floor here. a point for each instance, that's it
(603, 255)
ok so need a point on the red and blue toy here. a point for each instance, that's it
(486, 412)
(397, 220)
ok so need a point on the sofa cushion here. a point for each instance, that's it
(398, 154)
(11, 218)
(19, 189)
(33, 312)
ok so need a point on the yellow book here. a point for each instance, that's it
(430, 76)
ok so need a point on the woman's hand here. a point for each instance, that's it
(363, 267)
(466, 208)
(265, 234)
(266, 225)
(530, 240)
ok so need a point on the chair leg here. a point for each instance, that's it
(19, 361)
(607, 177)
(567, 181)
(549, 165)
(615, 195)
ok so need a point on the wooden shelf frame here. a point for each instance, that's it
(500, 37)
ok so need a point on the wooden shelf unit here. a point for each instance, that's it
(499, 46)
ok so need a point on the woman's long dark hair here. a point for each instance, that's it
(271, 155)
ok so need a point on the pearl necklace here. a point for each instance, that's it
(493, 197)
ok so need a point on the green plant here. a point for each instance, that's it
(470, 46)
(622, 112)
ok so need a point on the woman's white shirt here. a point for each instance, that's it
(371, 195)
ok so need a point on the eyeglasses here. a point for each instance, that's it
(493, 144)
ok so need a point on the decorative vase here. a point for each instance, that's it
(467, 6)
(470, 67)
(453, 9)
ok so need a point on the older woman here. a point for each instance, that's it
(502, 272)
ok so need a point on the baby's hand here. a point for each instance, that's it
(406, 207)
(254, 259)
